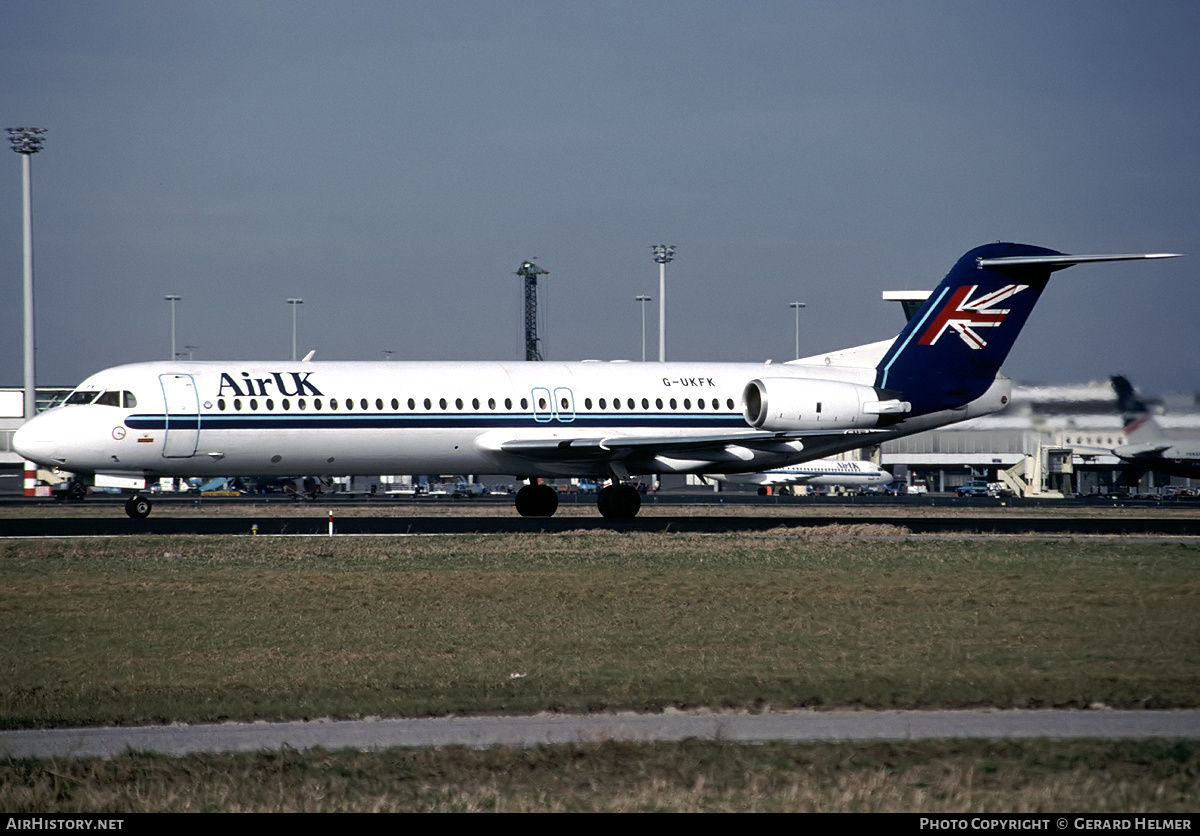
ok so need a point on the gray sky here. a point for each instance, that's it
(393, 162)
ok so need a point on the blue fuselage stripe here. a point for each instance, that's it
(481, 422)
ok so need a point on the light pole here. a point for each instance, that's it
(643, 300)
(663, 255)
(797, 306)
(191, 351)
(172, 298)
(27, 142)
(294, 303)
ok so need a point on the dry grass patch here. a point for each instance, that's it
(945, 777)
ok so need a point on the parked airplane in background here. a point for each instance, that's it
(542, 419)
(820, 473)
(1148, 448)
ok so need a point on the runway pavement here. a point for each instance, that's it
(111, 522)
(480, 732)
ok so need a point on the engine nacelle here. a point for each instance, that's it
(783, 403)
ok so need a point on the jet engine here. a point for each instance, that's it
(783, 404)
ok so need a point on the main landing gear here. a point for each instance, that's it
(537, 501)
(619, 502)
(138, 507)
(616, 502)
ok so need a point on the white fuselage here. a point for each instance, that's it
(338, 418)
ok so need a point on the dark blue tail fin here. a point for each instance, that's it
(950, 352)
(1137, 423)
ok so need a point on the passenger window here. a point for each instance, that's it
(286, 404)
(508, 403)
(645, 403)
(442, 403)
(475, 403)
(699, 403)
(363, 403)
(270, 404)
(349, 403)
(301, 404)
(729, 403)
(716, 404)
(524, 403)
(428, 404)
(658, 403)
(541, 403)
(687, 403)
(316, 403)
(395, 405)
(458, 403)
(379, 404)
(221, 404)
(630, 402)
(254, 403)
(674, 404)
(603, 403)
(565, 403)
(491, 403)
(412, 404)
(587, 403)
(333, 403)
(237, 404)
(616, 403)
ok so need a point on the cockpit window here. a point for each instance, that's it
(108, 399)
(78, 398)
(129, 400)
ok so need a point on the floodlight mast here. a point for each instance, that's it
(173, 298)
(530, 271)
(27, 142)
(663, 255)
(796, 306)
(294, 302)
(643, 299)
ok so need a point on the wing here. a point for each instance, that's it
(726, 452)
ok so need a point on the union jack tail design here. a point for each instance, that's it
(951, 349)
(964, 314)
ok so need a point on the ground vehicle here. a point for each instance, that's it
(976, 487)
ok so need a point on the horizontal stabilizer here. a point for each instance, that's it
(1062, 261)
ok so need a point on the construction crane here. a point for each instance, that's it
(530, 272)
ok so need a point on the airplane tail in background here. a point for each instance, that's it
(951, 350)
(1139, 425)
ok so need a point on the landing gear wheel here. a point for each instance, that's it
(762, 491)
(537, 501)
(619, 502)
(77, 490)
(138, 507)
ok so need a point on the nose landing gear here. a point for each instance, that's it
(138, 507)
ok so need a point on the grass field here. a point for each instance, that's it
(152, 629)
(160, 629)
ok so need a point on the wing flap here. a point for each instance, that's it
(619, 446)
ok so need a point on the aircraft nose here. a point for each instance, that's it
(37, 441)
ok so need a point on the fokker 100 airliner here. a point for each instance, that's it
(547, 419)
